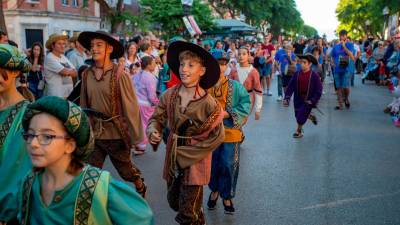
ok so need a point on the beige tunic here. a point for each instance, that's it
(207, 134)
(98, 97)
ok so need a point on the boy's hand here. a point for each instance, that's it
(257, 116)
(226, 115)
(155, 138)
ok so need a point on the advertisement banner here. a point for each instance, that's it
(188, 26)
(194, 25)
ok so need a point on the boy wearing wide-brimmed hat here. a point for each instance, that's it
(62, 189)
(107, 88)
(194, 119)
(58, 70)
(307, 89)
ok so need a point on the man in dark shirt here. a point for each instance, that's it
(299, 46)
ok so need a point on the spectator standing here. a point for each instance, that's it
(269, 51)
(78, 55)
(58, 70)
(35, 75)
(341, 54)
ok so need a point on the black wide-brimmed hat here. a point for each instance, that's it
(309, 57)
(211, 76)
(87, 36)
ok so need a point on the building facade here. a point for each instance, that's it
(30, 21)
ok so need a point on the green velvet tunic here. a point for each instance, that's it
(14, 158)
(114, 202)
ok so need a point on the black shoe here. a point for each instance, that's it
(347, 103)
(228, 209)
(211, 203)
(313, 119)
(298, 134)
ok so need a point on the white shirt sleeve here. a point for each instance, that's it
(52, 64)
(258, 102)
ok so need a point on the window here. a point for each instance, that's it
(64, 2)
(33, 1)
(75, 3)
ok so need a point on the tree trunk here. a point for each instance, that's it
(2, 19)
(117, 26)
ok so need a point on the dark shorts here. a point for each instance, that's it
(286, 80)
(265, 71)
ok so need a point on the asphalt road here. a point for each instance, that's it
(345, 170)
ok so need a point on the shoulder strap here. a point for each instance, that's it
(116, 105)
(84, 199)
(5, 126)
(27, 189)
(171, 101)
(229, 105)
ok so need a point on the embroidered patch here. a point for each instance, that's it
(6, 125)
(27, 187)
(85, 196)
(74, 118)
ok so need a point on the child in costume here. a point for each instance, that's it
(247, 75)
(194, 119)
(235, 100)
(307, 88)
(14, 159)
(61, 189)
(107, 88)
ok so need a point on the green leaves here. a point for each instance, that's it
(354, 14)
(169, 13)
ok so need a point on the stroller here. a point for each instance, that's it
(371, 71)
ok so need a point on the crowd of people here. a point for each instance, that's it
(68, 105)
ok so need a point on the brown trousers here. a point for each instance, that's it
(120, 157)
(187, 201)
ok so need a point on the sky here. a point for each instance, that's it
(320, 14)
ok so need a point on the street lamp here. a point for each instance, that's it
(385, 13)
(187, 6)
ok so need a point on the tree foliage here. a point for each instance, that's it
(168, 14)
(354, 14)
(273, 15)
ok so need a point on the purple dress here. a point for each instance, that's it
(145, 84)
(302, 109)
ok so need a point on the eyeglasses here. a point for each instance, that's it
(43, 139)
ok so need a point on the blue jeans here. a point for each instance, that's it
(342, 79)
(279, 82)
(225, 169)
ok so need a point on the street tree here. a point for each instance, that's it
(168, 14)
(364, 17)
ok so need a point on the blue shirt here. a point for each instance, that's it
(338, 52)
(284, 61)
(217, 53)
(278, 54)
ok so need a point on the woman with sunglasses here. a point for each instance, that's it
(14, 159)
(62, 189)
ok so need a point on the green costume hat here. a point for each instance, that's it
(75, 121)
(12, 59)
